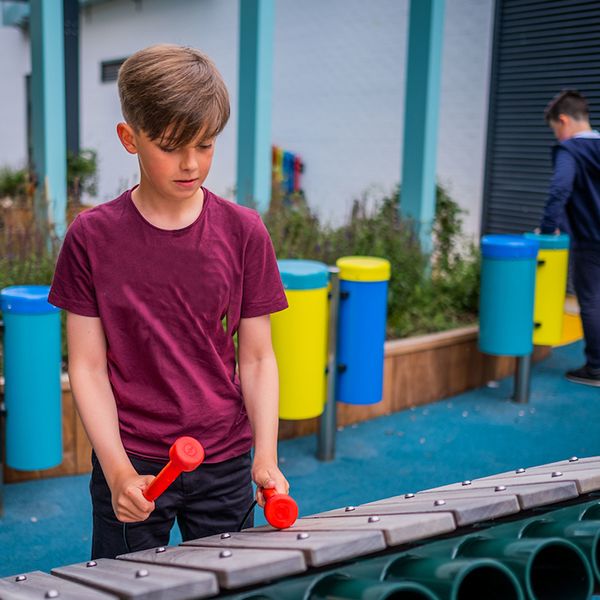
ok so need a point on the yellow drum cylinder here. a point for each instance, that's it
(300, 339)
(550, 288)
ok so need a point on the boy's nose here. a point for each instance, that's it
(188, 161)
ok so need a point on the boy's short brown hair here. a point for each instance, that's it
(173, 94)
(567, 102)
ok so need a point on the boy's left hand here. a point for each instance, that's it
(268, 475)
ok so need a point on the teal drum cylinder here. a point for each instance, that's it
(507, 295)
(32, 368)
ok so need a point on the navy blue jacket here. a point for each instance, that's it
(575, 191)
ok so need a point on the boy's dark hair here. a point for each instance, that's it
(570, 103)
(173, 94)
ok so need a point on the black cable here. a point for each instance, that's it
(247, 515)
(125, 537)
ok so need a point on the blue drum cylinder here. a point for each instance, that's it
(507, 295)
(361, 328)
(32, 369)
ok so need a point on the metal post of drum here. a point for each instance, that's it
(523, 372)
(522, 379)
(328, 421)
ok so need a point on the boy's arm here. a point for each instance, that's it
(561, 186)
(97, 407)
(260, 390)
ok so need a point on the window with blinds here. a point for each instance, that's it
(109, 69)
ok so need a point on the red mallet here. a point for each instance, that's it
(185, 455)
(281, 510)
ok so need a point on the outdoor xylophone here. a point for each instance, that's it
(531, 533)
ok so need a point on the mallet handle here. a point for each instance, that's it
(186, 454)
(268, 493)
(162, 481)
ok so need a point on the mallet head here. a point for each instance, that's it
(186, 453)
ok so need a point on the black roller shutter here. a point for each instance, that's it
(540, 47)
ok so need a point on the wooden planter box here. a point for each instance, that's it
(417, 371)
(420, 370)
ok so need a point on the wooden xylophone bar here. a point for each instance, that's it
(383, 549)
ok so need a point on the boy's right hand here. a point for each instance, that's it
(128, 500)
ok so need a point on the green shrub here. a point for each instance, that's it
(425, 295)
(82, 177)
(25, 258)
(13, 183)
(447, 230)
(82, 174)
(27, 253)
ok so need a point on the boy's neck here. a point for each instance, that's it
(578, 127)
(575, 127)
(166, 213)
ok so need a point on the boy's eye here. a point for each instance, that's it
(199, 147)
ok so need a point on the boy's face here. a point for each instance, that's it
(566, 127)
(173, 174)
(560, 127)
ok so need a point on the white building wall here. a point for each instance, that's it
(14, 65)
(462, 134)
(338, 97)
(116, 29)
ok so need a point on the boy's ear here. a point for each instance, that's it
(127, 137)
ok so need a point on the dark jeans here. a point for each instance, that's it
(212, 499)
(586, 278)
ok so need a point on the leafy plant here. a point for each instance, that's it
(447, 229)
(25, 258)
(82, 177)
(13, 183)
(82, 174)
(420, 300)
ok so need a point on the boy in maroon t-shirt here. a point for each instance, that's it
(155, 284)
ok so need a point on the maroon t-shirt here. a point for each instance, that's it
(170, 303)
